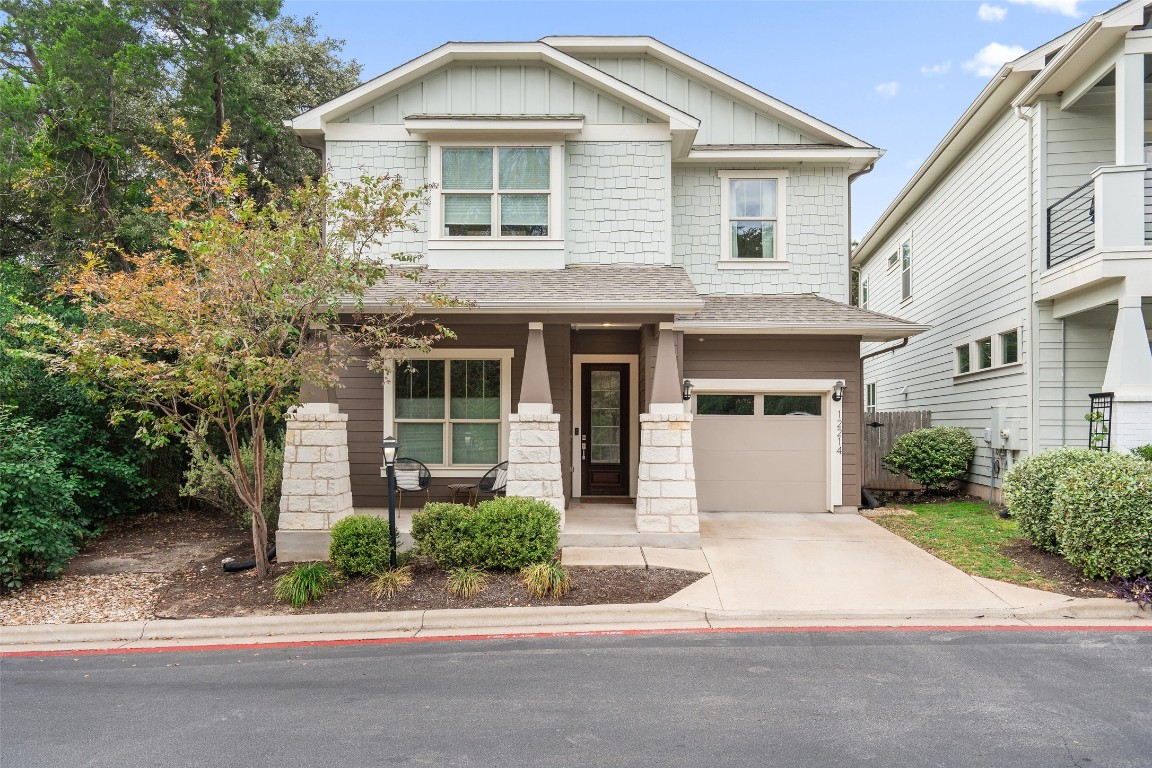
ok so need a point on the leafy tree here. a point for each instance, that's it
(213, 333)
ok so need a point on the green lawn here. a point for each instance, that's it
(968, 535)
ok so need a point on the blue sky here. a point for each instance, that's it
(896, 73)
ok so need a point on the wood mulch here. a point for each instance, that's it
(1056, 569)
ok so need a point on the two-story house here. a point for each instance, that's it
(656, 257)
(1025, 242)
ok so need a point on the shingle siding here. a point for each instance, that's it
(617, 205)
(349, 160)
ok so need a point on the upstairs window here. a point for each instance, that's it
(752, 207)
(906, 270)
(496, 191)
(864, 294)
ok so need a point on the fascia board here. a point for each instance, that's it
(723, 82)
(839, 154)
(989, 105)
(871, 332)
(453, 52)
(418, 126)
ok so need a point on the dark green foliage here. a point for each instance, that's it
(1143, 451)
(305, 584)
(205, 481)
(936, 457)
(360, 546)
(1029, 486)
(1102, 515)
(503, 533)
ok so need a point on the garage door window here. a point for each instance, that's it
(726, 405)
(792, 405)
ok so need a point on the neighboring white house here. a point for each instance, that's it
(658, 256)
(1024, 241)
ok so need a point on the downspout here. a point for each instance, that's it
(851, 178)
(1030, 327)
(903, 343)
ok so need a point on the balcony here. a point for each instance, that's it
(1071, 220)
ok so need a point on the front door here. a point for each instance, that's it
(604, 458)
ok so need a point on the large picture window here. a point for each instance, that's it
(496, 191)
(752, 206)
(449, 412)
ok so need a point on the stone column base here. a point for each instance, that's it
(666, 487)
(534, 458)
(1131, 422)
(317, 489)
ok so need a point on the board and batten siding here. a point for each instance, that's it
(970, 264)
(497, 89)
(816, 230)
(790, 357)
(724, 120)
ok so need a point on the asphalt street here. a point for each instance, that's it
(780, 698)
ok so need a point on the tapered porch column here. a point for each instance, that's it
(1129, 377)
(666, 488)
(534, 432)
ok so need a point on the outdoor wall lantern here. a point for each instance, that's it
(390, 446)
(686, 390)
(838, 390)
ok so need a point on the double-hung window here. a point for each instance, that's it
(496, 191)
(752, 208)
(450, 413)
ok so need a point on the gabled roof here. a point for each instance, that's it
(1044, 70)
(725, 83)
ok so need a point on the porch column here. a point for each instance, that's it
(1129, 377)
(534, 432)
(1119, 188)
(666, 487)
(317, 489)
(1130, 109)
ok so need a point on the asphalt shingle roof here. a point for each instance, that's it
(790, 310)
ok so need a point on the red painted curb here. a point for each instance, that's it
(532, 635)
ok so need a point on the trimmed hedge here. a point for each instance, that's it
(934, 457)
(360, 546)
(1028, 489)
(1102, 515)
(502, 533)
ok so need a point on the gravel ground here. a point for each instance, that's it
(81, 599)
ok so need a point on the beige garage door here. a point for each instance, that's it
(761, 453)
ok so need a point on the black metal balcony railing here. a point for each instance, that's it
(1072, 224)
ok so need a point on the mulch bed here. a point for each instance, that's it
(206, 590)
(1056, 569)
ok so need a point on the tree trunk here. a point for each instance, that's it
(260, 542)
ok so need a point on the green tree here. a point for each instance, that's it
(212, 334)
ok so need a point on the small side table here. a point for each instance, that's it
(468, 489)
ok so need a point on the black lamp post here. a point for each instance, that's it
(389, 447)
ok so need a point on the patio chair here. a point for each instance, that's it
(492, 484)
(412, 476)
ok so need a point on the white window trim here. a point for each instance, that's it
(834, 409)
(504, 356)
(555, 238)
(727, 260)
(870, 389)
(907, 241)
(864, 294)
(997, 336)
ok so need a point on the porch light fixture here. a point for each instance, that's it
(389, 447)
(838, 390)
(686, 390)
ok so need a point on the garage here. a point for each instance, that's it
(761, 452)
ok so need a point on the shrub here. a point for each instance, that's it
(1102, 515)
(544, 579)
(505, 533)
(390, 582)
(1143, 451)
(204, 481)
(466, 582)
(934, 457)
(1028, 489)
(305, 583)
(360, 546)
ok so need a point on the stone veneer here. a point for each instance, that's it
(534, 458)
(317, 490)
(666, 492)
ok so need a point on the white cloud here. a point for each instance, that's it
(1066, 7)
(888, 90)
(991, 57)
(931, 70)
(991, 12)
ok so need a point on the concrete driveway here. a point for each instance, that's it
(798, 563)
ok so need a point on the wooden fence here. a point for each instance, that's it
(881, 428)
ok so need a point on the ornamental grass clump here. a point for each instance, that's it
(548, 579)
(305, 584)
(390, 582)
(1102, 516)
(466, 582)
(936, 457)
(360, 546)
(1029, 486)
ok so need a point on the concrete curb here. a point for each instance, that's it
(432, 623)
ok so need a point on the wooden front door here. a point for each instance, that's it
(604, 459)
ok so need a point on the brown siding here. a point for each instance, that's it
(362, 399)
(624, 342)
(790, 357)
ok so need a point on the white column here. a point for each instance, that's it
(1130, 109)
(1129, 378)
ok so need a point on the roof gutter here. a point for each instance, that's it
(903, 343)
